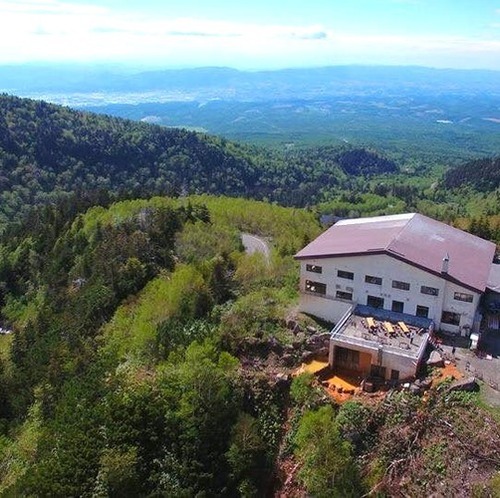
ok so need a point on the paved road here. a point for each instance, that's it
(253, 244)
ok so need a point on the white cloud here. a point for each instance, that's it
(45, 7)
(55, 30)
(43, 30)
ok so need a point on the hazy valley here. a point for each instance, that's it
(449, 113)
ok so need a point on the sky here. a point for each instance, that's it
(257, 34)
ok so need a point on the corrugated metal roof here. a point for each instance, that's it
(413, 238)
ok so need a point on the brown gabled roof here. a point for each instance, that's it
(413, 238)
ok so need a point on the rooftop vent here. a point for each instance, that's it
(446, 263)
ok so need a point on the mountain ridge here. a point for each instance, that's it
(282, 82)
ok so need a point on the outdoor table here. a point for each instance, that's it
(388, 326)
(404, 328)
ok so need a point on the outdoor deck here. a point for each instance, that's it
(380, 328)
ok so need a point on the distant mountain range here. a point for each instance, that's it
(231, 84)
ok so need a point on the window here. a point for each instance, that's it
(314, 268)
(422, 311)
(347, 357)
(397, 284)
(430, 291)
(461, 296)
(345, 274)
(347, 296)
(375, 302)
(316, 287)
(369, 279)
(398, 306)
(394, 374)
(450, 318)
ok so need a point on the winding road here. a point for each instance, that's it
(252, 244)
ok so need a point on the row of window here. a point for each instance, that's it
(397, 306)
(396, 284)
(378, 302)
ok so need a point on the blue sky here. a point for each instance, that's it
(261, 34)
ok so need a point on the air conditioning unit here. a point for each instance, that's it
(338, 286)
(350, 289)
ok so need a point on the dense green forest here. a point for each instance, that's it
(481, 174)
(47, 151)
(122, 373)
(148, 360)
(151, 355)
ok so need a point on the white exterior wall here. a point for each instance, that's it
(328, 309)
(389, 269)
(466, 310)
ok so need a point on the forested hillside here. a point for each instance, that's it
(481, 174)
(122, 375)
(151, 357)
(47, 151)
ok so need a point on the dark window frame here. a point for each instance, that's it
(429, 291)
(399, 284)
(314, 268)
(463, 296)
(348, 275)
(450, 318)
(399, 303)
(341, 295)
(372, 279)
(379, 299)
(347, 357)
(315, 287)
(422, 311)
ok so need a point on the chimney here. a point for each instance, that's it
(446, 262)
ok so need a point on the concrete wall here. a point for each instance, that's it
(389, 269)
(328, 309)
(405, 365)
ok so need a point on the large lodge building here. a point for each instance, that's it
(389, 281)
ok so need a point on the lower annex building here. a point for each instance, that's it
(387, 282)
